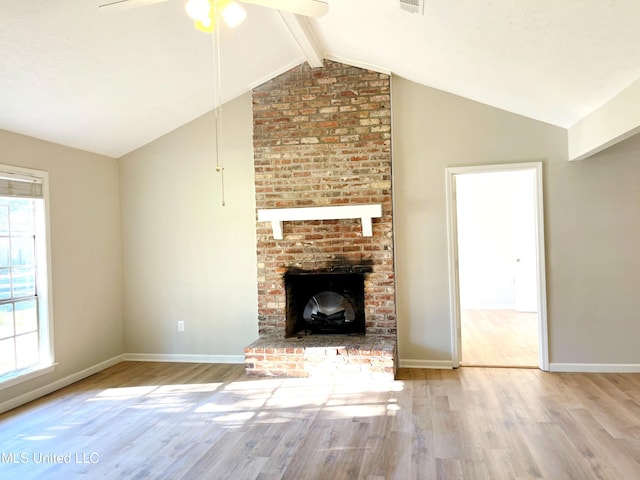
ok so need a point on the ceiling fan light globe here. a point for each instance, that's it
(198, 10)
(234, 14)
(207, 26)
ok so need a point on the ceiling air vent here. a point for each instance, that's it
(412, 6)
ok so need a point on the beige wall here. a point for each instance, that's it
(593, 233)
(85, 254)
(592, 222)
(186, 257)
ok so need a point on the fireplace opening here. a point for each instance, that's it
(324, 302)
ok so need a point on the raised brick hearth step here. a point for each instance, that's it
(323, 356)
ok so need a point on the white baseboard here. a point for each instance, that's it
(442, 364)
(595, 367)
(553, 367)
(182, 358)
(58, 384)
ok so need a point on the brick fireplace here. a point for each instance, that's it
(322, 138)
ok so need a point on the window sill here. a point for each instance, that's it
(9, 380)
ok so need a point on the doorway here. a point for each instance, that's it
(496, 256)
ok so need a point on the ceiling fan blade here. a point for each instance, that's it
(308, 8)
(127, 4)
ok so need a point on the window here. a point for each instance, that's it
(25, 320)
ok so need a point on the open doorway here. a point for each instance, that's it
(497, 266)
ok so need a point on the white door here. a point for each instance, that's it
(524, 232)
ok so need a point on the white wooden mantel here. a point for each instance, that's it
(278, 215)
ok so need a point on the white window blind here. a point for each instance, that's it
(20, 186)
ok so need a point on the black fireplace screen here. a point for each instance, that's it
(325, 303)
(327, 309)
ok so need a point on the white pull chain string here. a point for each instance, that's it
(218, 98)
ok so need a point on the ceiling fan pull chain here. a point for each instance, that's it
(218, 97)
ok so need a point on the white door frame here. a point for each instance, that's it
(452, 238)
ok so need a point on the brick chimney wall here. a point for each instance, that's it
(322, 137)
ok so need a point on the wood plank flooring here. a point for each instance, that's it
(503, 338)
(140, 420)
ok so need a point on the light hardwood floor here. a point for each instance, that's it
(503, 338)
(193, 421)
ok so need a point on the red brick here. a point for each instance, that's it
(346, 110)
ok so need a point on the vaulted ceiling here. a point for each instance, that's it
(110, 82)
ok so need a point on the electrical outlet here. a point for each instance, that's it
(181, 325)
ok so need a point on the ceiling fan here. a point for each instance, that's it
(206, 15)
(307, 8)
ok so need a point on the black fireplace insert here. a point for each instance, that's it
(325, 302)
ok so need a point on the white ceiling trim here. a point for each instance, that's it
(359, 64)
(275, 73)
(305, 37)
(289, 66)
(613, 122)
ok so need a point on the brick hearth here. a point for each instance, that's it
(322, 137)
(340, 358)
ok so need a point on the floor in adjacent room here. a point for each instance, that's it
(504, 338)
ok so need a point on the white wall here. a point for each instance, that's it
(186, 257)
(486, 241)
(85, 254)
(496, 240)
